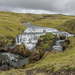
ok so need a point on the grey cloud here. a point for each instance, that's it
(57, 6)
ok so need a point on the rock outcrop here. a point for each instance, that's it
(21, 50)
(62, 37)
(0, 61)
(6, 68)
(3, 46)
(65, 44)
(36, 55)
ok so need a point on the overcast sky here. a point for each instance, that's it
(39, 6)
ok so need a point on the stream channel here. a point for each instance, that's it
(29, 38)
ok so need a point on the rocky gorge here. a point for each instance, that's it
(34, 42)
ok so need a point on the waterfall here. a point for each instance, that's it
(32, 33)
(29, 39)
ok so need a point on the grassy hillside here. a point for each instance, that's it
(68, 26)
(53, 20)
(11, 23)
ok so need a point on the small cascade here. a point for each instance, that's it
(58, 44)
(32, 33)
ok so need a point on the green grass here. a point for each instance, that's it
(53, 21)
(11, 23)
(47, 39)
(68, 26)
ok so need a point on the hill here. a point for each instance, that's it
(54, 20)
(68, 26)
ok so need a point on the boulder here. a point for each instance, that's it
(11, 65)
(35, 55)
(21, 57)
(62, 37)
(8, 63)
(40, 42)
(65, 44)
(0, 61)
(23, 65)
(16, 67)
(3, 46)
(26, 53)
(5, 62)
(6, 68)
(21, 50)
(11, 50)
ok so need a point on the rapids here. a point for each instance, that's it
(29, 37)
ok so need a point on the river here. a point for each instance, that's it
(29, 38)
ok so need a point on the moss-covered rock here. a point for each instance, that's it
(26, 53)
(21, 50)
(16, 67)
(46, 41)
(40, 42)
(6, 68)
(0, 61)
(23, 65)
(62, 37)
(21, 57)
(36, 55)
(39, 49)
(3, 46)
(65, 44)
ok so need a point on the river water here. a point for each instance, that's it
(29, 38)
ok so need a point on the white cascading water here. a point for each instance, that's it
(32, 33)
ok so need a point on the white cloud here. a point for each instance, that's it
(20, 10)
(39, 6)
(39, 11)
